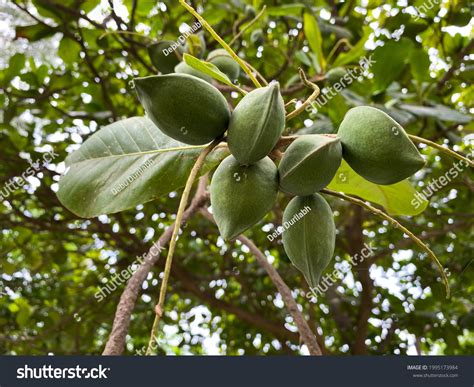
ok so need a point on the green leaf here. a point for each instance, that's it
(337, 108)
(215, 14)
(15, 65)
(398, 199)
(47, 9)
(420, 65)
(207, 68)
(303, 58)
(23, 311)
(440, 112)
(125, 164)
(315, 41)
(338, 31)
(69, 50)
(285, 10)
(356, 53)
(34, 32)
(390, 59)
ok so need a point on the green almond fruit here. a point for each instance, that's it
(184, 107)
(257, 37)
(249, 12)
(256, 124)
(242, 195)
(184, 68)
(195, 45)
(163, 56)
(377, 147)
(309, 235)
(224, 62)
(309, 164)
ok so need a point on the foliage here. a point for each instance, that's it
(220, 299)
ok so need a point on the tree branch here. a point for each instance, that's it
(305, 332)
(116, 342)
(456, 62)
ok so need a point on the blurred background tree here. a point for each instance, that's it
(63, 78)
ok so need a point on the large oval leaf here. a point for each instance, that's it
(124, 164)
(398, 199)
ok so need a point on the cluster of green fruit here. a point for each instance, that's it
(245, 185)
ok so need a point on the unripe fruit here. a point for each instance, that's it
(184, 107)
(309, 164)
(162, 58)
(335, 75)
(256, 124)
(224, 62)
(242, 195)
(377, 147)
(257, 37)
(249, 12)
(184, 68)
(310, 235)
(195, 45)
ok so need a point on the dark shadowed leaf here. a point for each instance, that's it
(34, 32)
(440, 112)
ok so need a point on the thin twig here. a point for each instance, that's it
(251, 23)
(442, 149)
(306, 334)
(310, 99)
(169, 259)
(395, 223)
(125, 33)
(116, 341)
(215, 35)
(336, 46)
(304, 330)
(265, 82)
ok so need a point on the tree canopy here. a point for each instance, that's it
(66, 72)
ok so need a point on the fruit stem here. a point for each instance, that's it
(250, 24)
(265, 82)
(396, 224)
(125, 33)
(310, 99)
(215, 35)
(442, 149)
(336, 46)
(177, 224)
